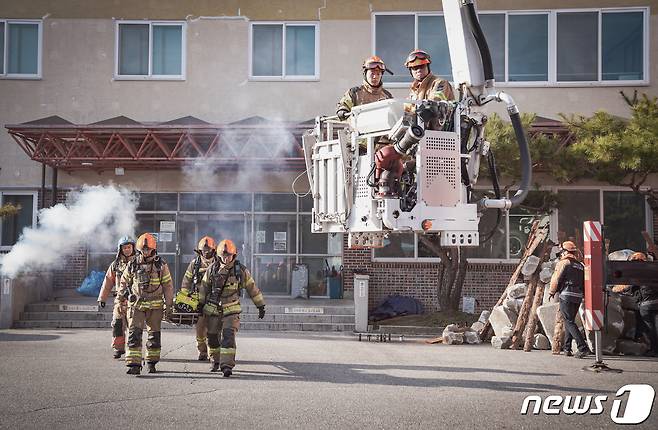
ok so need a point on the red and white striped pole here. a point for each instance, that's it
(594, 306)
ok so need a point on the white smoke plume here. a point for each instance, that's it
(94, 215)
(248, 146)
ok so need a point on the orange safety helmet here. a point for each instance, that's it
(374, 62)
(146, 240)
(638, 256)
(569, 246)
(206, 241)
(417, 57)
(227, 246)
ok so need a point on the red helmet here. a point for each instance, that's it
(417, 57)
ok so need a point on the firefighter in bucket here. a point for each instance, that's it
(186, 303)
(219, 301)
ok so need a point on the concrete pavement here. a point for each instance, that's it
(67, 379)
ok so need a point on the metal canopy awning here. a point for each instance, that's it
(124, 142)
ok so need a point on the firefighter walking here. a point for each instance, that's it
(148, 288)
(206, 256)
(125, 254)
(219, 301)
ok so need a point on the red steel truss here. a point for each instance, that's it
(141, 146)
(134, 145)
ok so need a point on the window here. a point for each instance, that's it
(150, 50)
(273, 236)
(397, 245)
(528, 47)
(577, 46)
(276, 234)
(158, 202)
(163, 227)
(275, 202)
(493, 26)
(553, 47)
(12, 226)
(624, 219)
(221, 202)
(284, 51)
(397, 34)
(576, 207)
(622, 46)
(20, 49)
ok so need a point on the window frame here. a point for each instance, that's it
(35, 210)
(373, 42)
(284, 77)
(28, 76)
(150, 76)
(293, 253)
(552, 81)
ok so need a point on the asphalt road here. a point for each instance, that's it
(67, 379)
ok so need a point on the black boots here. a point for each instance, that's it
(203, 356)
(117, 354)
(151, 367)
(134, 370)
(226, 371)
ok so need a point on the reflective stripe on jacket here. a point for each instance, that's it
(230, 296)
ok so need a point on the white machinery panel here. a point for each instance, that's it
(330, 205)
(377, 116)
(440, 166)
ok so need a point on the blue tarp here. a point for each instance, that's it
(91, 286)
(395, 306)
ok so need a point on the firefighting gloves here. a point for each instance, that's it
(343, 114)
(169, 310)
(101, 304)
(261, 312)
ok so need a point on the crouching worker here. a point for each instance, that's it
(219, 301)
(147, 285)
(647, 300)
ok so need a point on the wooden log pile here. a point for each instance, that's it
(527, 323)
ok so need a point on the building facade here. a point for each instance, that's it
(71, 70)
